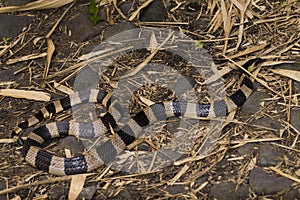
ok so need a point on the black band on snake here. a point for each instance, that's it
(35, 155)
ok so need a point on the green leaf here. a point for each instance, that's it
(94, 19)
(6, 40)
(199, 44)
(93, 7)
(93, 10)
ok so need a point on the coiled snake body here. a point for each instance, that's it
(35, 155)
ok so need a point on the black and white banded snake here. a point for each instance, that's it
(35, 155)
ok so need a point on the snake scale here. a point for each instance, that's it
(35, 155)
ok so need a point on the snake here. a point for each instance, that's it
(34, 153)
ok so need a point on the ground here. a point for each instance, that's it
(256, 156)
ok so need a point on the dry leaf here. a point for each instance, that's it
(68, 153)
(119, 10)
(62, 88)
(94, 54)
(6, 141)
(241, 7)
(25, 58)
(153, 44)
(295, 75)
(276, 62)
(36, 5)
(76, 186)
(249, 50)
(146, 101)
(7, 83)
(36, 40)
(32, 95)
(227, 25)
(218, 74)
(16, 198)
(139, 9)
(241, 26)
(50, 51)
(297, 172)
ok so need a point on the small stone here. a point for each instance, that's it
(295, 118)
(16, 2)
(245, 149)
(8, 75)
(252, 105)
(268, 156)
(243, 192)
(126, 8)
(200, 181)
(194, 6)
(86, 78)
(121, 31)
(125, 194)
(267, 122)
(82, 29)
(296, 86)
(293, 194)
(199, 24)
(184, 84)
(264, 184)
(175, 189)
(72, 143)
(226, 190)
(155, 12)
(2, 187)
(291, 66)
(12, 25)
(57, 192)
(88, 192)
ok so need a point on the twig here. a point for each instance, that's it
(278, 171)
(119, 10)
(148, 59)
(78, 65)
(139, 9)
(59, 20)
(25, 58)
(19, 187)
(254, 77)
